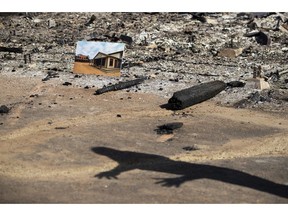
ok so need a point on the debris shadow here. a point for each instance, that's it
(128, 160)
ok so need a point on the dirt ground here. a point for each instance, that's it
(85, 68)
(62, 144)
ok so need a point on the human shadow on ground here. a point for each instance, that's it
(128, 160)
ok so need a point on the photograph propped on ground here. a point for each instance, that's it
(101, 58)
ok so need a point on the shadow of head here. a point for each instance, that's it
(103, 150)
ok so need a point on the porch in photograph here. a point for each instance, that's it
(107, 62)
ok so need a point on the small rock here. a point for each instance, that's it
(174, 80)
(126, 39)
(51, 23)
(284, 28)
(2, 26)
(61, 128)
(67, 83)
(142, 39)
(200, 17)
(257, 97)
(263, 39)
(260, 37)
(234, 84)
(168, 128)
(190, 148)
(92, 19)
(211, 21)
(35, 95)
(230, 52)
(36, 20)
(152, 46)
(4, 109)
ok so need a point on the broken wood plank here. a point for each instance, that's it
(12, 49)
(119, 86)
(196, 94)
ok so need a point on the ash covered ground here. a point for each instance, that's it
(173, 50)
(56, 139)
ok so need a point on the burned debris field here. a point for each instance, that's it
(198, 114)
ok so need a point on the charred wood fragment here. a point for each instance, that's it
(119, 86)
(12, 49)
(237, 84)
(168, 128)
(196, 94)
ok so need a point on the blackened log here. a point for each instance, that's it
(196, 94)
(119, 86)
(12, 49)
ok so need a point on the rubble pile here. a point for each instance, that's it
(173, 50)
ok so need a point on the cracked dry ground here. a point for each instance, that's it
(50, 149)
